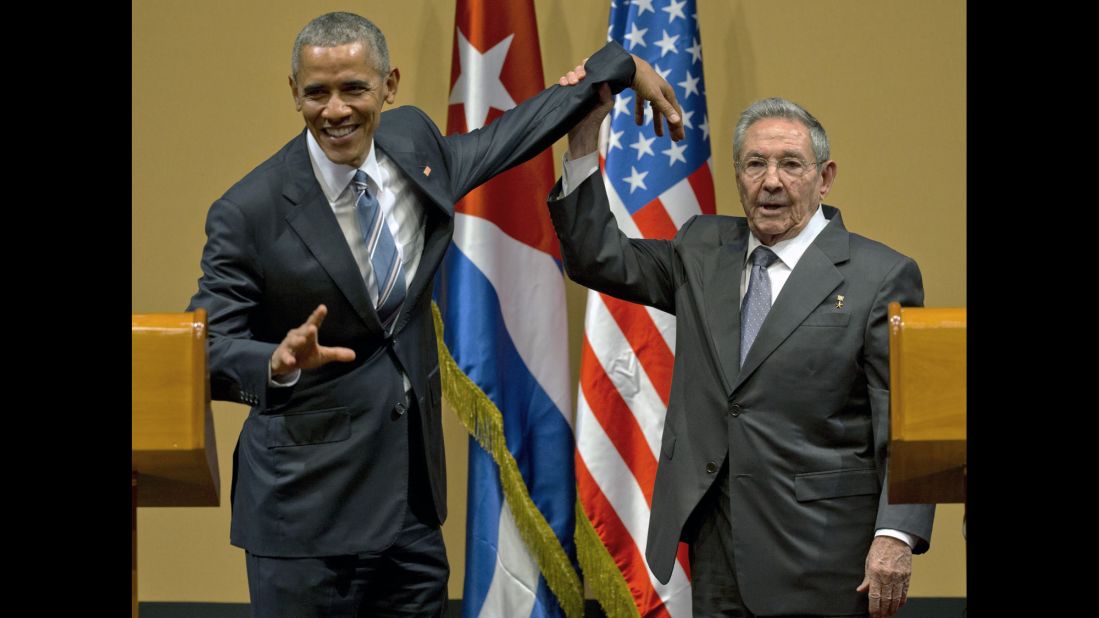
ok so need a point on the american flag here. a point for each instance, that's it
(654, 186)
(501, 294)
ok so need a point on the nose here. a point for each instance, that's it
(771, 181)
(335, 109)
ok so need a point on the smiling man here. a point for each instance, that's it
(339, 485)
(774, 454)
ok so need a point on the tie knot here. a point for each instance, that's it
(359, 182)
(763, 256)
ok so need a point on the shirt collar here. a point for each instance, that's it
(789, 251)
(334, 177)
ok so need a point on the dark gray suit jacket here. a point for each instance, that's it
(320, 468)
(805, 421)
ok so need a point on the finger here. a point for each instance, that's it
(638, 109)
(282, 361)
(658, 125)
(864, 586)
(317, 317)
(670, 110)
(309, 338)
(294, 341)
(888, 604)
(339, 355)
(875, 599)
(562, 81)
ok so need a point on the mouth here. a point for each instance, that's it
(339, 133)
(771, 207)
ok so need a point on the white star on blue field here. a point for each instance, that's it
(640, 165)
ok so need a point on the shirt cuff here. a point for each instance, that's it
(576, 171)
(897, 534)
(285, 381)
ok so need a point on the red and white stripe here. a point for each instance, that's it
(625, 381)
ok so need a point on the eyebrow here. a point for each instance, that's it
(355, 83)
(785, 154)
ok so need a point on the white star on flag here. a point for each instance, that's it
(622, 105)
(667, 44)
(705, 126)
(478, 86)
(644, 5)
(675, 153)
(615, 140)
(690, 86)
(695, 50)
(674, 9)
(643, 146)
(662, 73)
(636, 37)
(636, 179)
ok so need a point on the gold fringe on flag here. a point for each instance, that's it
(604, 579)
(485, 423)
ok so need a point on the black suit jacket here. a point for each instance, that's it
(805, 421)
(319, 468)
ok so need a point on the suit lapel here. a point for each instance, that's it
(722, 298)
(316, 225)
(438, 210)
(811, 281)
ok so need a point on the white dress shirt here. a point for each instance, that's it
(403, 215)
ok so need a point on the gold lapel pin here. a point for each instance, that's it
(839, 301)
(427, 170)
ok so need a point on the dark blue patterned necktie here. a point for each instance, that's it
(757, 302)
(382, 251)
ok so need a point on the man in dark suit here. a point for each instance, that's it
(338, 476)
(775, 446)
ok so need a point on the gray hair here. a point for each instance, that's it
(777, 107)
(335, 29)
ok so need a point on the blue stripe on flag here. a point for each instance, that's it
(535, 430)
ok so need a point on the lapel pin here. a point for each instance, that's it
(839, 301)
(427, 170)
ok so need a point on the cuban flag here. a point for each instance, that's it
(501, 295)
(654, 186)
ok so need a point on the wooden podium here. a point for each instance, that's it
(927, 376)
(173, 453)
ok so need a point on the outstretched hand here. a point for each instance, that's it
(301, 350)
(649, 88)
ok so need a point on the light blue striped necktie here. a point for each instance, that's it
(382, 251)
(757, 302)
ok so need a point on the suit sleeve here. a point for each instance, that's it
(229, 290)
(902, 284)
(599, 256)
(535, 124)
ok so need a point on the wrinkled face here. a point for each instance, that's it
(779, 203)
(340, 93)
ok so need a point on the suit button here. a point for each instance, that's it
(735, 409)
(400, 409)
(711, 467)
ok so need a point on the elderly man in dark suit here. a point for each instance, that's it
(338, 476)
(773, 458)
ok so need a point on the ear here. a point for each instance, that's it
(391, 82)
(294, 92)
(828, 176)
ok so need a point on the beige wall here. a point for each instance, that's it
(210, 101)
